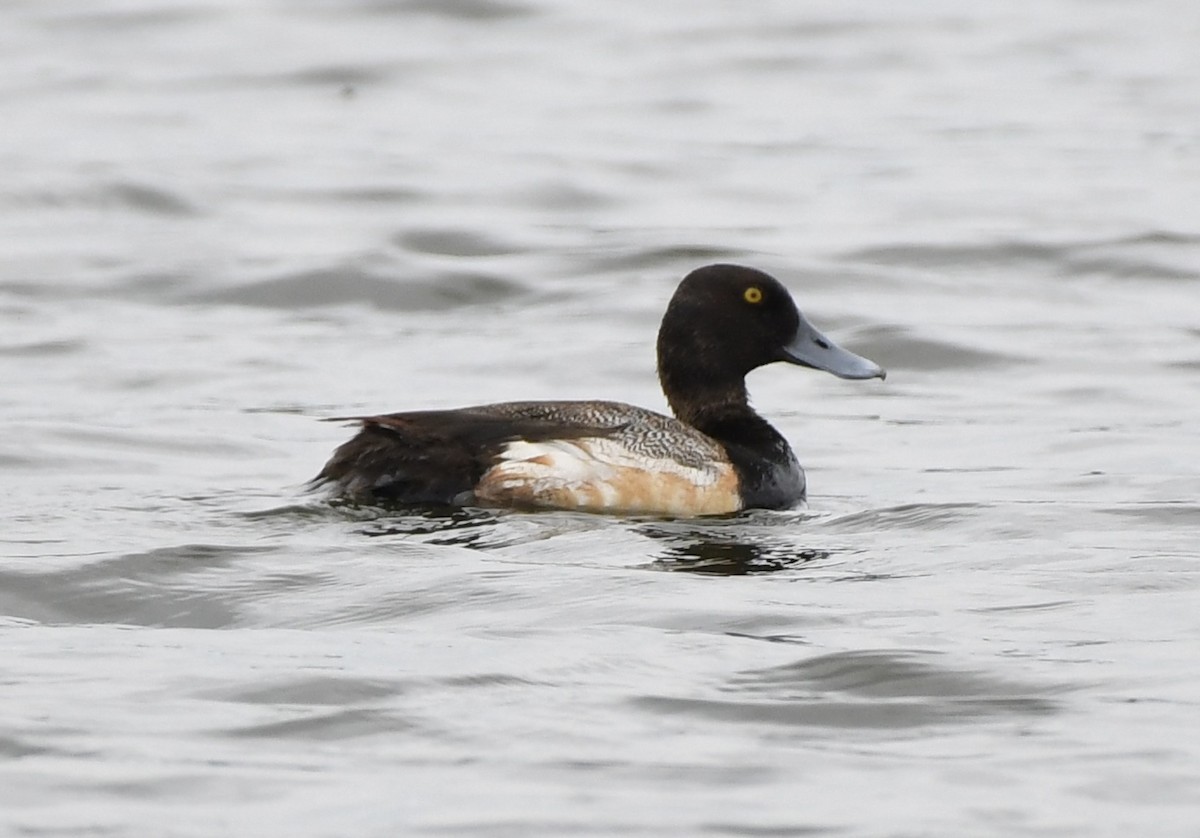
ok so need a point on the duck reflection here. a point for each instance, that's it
(449, 525)
(711, 551)
(735, 546)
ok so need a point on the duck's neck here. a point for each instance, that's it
(725, 415)
(710, 395)
(768, 474)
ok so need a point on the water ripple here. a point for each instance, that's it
(466, 10)
(433, 291)
(1080, 258)
(903, 350)
(905, 516)
(862, 689)
(44, 349)
(152, 588)
(336, 726)
(452, 242)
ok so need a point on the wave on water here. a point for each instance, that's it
(865, 688)
(904, 350)
(1149, 255)
(349, 284)
(161, 587)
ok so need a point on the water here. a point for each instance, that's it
(222, 221)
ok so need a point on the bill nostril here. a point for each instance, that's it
(824, 344)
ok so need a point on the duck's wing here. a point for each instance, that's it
(438, 456)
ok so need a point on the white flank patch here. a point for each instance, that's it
(590, 460)
(602, 474)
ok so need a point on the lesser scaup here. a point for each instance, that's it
(717, 456)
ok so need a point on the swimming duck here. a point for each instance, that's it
(716, 456)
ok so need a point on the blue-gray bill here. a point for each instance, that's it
(810, 348)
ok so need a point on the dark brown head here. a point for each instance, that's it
(726, 320)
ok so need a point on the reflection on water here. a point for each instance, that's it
(733, 546)
(699, 550)
(451, 525)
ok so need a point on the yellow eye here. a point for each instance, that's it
(753, 294)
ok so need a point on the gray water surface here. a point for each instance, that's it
(222, 220)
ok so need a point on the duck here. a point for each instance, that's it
(714, 456)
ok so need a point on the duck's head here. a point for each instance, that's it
(726, 320)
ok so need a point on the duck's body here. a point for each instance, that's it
(596, 456)
(718, 456)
